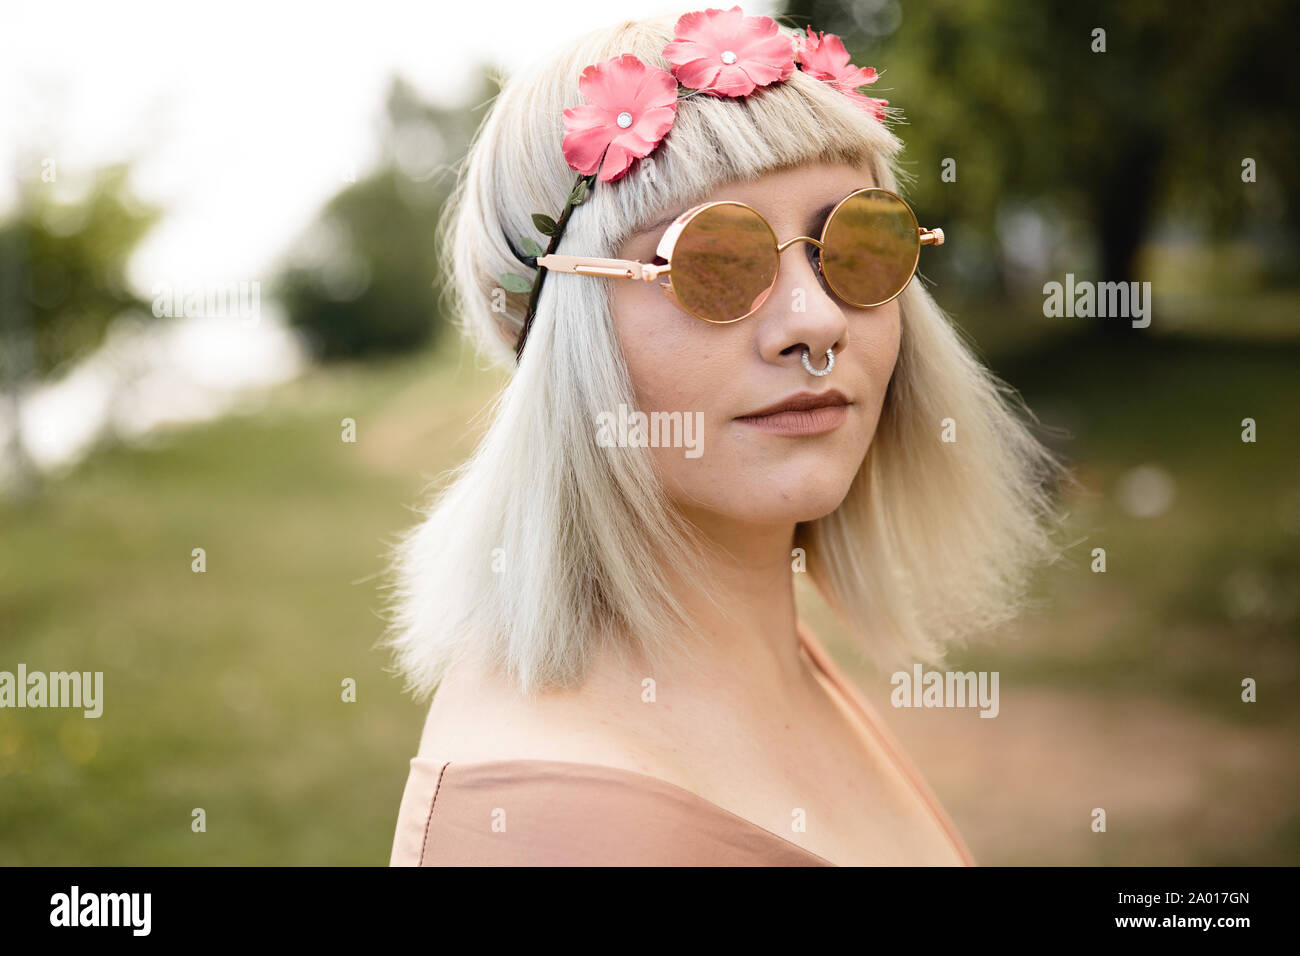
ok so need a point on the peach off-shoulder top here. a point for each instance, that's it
(583, 814)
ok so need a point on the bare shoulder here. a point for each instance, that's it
(476, 716)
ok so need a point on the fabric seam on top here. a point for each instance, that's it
(424, 844)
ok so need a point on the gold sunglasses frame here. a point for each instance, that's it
(634, 269)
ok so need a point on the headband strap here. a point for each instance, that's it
(555, 229)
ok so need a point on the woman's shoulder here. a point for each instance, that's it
(569, 781)
(477, 717)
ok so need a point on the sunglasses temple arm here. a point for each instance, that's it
(612, 268)
(631, 269)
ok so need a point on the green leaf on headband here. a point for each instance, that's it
(579, 193)
(545, 224)
(530, 248)
(513, 283)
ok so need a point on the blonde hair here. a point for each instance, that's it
(542, 542)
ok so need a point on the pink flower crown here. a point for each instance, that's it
(630, 106)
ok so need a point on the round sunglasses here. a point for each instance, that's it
(722, 258)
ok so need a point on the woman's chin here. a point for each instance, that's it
(791, 500)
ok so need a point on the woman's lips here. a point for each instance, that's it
(811, 421)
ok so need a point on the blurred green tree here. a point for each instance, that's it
(1020, 94)
(64, 265)
(62, 281)
(363, 279)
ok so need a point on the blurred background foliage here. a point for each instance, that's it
(1085, 150)
(1121, 689)
(65, 264)
(362, 282)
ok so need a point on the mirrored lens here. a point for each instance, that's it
(871, 248)
(724, 263)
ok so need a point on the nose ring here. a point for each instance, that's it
(807, 364)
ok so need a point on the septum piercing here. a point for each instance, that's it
(807, 364)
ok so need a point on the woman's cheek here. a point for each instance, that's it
(881, 344)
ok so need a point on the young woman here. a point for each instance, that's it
(725, 374)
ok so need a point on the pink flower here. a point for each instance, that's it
(725, 53)
(629, 108)
(823, 55)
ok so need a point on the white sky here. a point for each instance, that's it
(244, 117)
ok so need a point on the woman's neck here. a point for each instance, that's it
(744, 605)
